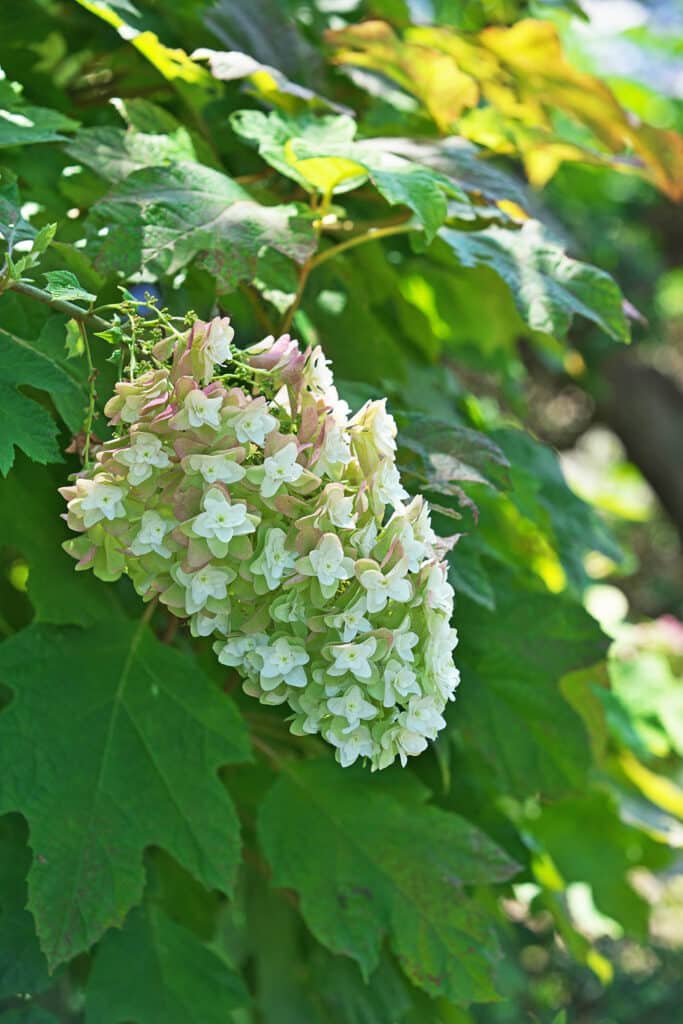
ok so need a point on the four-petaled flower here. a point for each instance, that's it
(151, 535)
(221, 520)
(353, 707)
(399, 682)
(424, 717)
(103, 501)
(199, 410)
(351, 621)
(220, 468)
(353, 658)
(328, 563)
(281, 468)
(275, 561)
(253, 423)
(203, 584)
(282, 662)
(380, 588)
(144, 455)
(351, 746)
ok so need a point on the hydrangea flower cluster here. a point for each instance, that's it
(240, 491)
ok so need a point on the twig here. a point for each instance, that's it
(59, 305)
(322, 257)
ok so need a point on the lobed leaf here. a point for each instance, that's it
(161, 219)
(171, 977)
(112, 743)
(366, 864)
(548, 287)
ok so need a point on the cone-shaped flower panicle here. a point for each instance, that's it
(239, 491)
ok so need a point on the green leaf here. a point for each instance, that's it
(320, 154)
(366, 863)
(548, 287)
(510, 708)
(114, 153)
(160, 219)
(28, 1015)
(13, 227)
(541, 493)
(62, 284)
(22, 965)
(30, 521)
(132, 735)
(589, 843)
(171, 977)
(23, 422)
(22, 124)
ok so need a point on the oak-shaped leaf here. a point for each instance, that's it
(111, 743)
(547, 286)
(23, 967)
(171, 976)
(321, 154)
(163, 218)
(368, 861)
(24, 423)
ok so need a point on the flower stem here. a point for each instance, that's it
(92, 394)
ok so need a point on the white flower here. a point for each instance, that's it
(439, 593)
(404, 641)
(282, 663)
(317, 373)
(275, 561)
(199, 410)
(219, 336)
(353, 658)
(328, 563)
(424, 717)
(447, 681)
(145, 453)
(281, 468)
(399, 682)
(386, 485)
(340, 508)
(380, 424)
(202, 624)
(220, 519)
(353, 707)
(335, 451)
(102, 501)
(351, 746)
(409, 744)
(150, 537)
(219, 468)
(422, 526)
(253, 424)
(365, 538)
(381, 588)
(203, 584)
(351, 621)
(414, 550)
(235, 651)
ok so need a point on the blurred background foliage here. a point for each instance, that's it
(455, 334)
